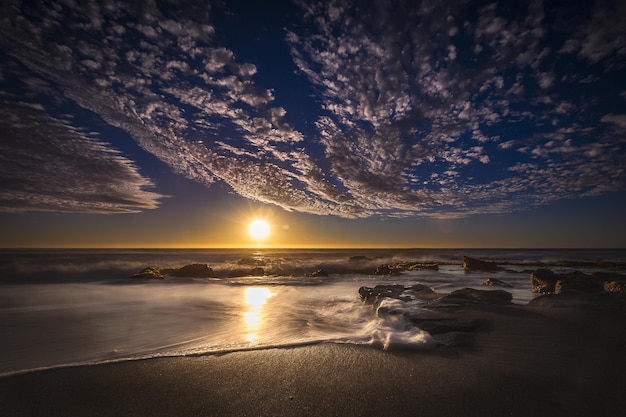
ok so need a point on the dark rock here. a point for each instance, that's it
(494, 282)
(191, 271)
(543, 281)
(150, 273)
(257, 272)
(319, 273)
(251, 262)
(384, 269)
(472, 296)
(472, 264)
(415, 265)
(359, 258)
(374, 295)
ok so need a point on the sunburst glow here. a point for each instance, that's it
(259, 229)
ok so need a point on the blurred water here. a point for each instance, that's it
(67, 307)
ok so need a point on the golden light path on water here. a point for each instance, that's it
(255, 298)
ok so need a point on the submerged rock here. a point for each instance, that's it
(150, 273)
(319, 273)
(191, 271)
(495, 282)
(472, 296)
(251, 262)
(472, 264)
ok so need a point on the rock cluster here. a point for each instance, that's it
(436, 315)
(150, 273)
(545, 281)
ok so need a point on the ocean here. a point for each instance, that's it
(69, 307)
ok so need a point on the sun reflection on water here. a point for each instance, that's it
(255, 298)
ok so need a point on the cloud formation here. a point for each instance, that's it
(46, 164)
(444, 109)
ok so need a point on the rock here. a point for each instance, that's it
(374, 295)
(257, 272)
(191, 271)
(319, 273)
(472, 264)
(494, 282)
(251, 262)
(614, 286)
(472, 296)
(385, 269)
(359, 258)
(150, 273)
(543, 281)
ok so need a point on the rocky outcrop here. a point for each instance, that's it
(191, 271)
(150, 273)
(544, 281)
(472, 264)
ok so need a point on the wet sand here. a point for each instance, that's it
(521, 362)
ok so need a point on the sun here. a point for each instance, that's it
(259, 229)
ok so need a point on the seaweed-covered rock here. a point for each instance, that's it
(472, 264)
(191, 271)
(150, 273)
(495, 282)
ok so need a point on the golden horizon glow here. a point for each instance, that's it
(259, 230)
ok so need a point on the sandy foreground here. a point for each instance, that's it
(521, 362)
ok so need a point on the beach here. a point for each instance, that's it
(520, 361)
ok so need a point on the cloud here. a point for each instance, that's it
(422, 110)
(46, 164)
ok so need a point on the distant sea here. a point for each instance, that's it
(68, 307)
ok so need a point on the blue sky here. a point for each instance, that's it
(447, 123)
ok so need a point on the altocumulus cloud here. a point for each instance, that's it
(443, 109)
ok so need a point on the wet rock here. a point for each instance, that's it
(472, 264)
(494, 282)
(374, 295)
(191, 271)
(472, 296)
(319, 273)
(150, 273)
(605, 300)
(257, 272)
(543, 281)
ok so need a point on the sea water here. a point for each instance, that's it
(68, 307)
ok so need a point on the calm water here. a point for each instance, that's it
(60, 307)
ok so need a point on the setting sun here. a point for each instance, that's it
(259, 229)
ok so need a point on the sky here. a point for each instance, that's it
(341, 123)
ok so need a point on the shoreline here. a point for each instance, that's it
(522, 361)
